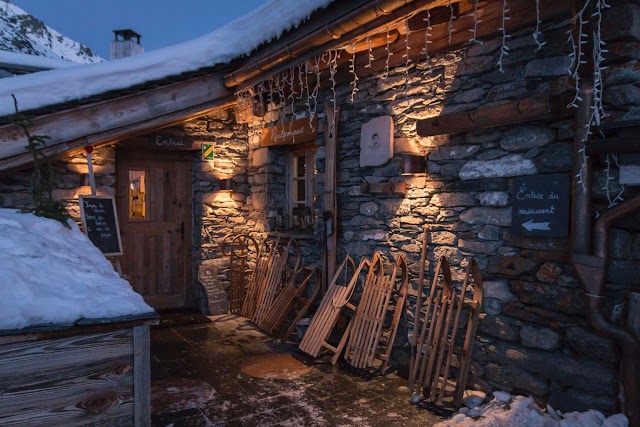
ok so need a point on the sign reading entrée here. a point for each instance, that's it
(541, 206)
(100, 223)
(300, 130)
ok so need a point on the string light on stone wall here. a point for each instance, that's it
(476, 21)
(618, 198)
(352, 69)
(333, 69)
(316, 89)
(389, 54)
(407, 59)
(504, 50)
(537, 34)
(452, 17)
(427, 42)
(369, 53)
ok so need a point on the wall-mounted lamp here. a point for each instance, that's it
(227, 184)
(413, 164)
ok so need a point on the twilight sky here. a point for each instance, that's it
(160, 22)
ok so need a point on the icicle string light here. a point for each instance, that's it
(389, 53)
(537, 35)
(352, 69)
(618, 198)
(427, 42)
(333, 69)
(504, 50)
(476, 21)
(369, 53)
(452, 17)
(597, 109)
(577, 55)
(407, 61)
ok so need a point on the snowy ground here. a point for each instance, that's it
(505, 410)
(53, 274)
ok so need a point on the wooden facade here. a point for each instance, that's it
(86, 375)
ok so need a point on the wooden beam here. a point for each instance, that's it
(112, 120)
(330, 216)
(141, 376)
(494, 115)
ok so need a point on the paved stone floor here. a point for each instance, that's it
(197, 381)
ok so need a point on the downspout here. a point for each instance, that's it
(325, 36)
(592, 269)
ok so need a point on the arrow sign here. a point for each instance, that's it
(530, 225)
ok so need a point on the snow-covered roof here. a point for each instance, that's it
(9, 59)
(53, 274)
(231, 41)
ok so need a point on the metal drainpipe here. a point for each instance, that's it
(592, 270)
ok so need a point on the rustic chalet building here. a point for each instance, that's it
(523, 156)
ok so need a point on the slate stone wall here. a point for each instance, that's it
(533, 337)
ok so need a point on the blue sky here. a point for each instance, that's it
(160, 22)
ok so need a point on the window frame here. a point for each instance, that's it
(308, 150)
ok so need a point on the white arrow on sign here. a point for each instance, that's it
(530, 225)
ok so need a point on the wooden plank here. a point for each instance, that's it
(494, 115)
(142, 376)
(103, 116)
(77, 380)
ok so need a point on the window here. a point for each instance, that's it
(137, 200)
(301, 184)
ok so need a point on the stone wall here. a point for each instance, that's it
(217, 213)
(533, 336)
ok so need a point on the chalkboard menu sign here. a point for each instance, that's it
(541, 206)
(100, 223)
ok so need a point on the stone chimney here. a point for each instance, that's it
(124, 45)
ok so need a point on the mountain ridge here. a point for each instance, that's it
(23, 33)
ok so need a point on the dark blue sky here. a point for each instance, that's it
(160, 22)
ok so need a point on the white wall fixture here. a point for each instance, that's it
(376, 141)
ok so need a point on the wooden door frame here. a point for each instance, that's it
(129, 152)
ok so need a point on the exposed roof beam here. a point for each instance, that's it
(109, 121)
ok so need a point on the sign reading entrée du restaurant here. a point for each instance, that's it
(292, 132)
(541, 206)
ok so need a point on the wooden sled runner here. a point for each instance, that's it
(238, 249)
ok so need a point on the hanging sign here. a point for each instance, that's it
(100, 223)
(541, 206)
(292, 132)
(207, 151)
(167, 141)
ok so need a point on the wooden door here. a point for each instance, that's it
(154, 203)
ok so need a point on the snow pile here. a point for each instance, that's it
(505, 410)
(52, 274)
(233, 40)
(14, 58)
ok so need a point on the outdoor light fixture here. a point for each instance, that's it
(413, 164)
(226, 184)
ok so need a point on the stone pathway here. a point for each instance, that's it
(197, 381)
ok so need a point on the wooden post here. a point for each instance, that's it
(142, 376)
(330, 216)
(92, 180)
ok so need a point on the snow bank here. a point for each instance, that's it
(233, 40)
(15, 58)
(505, 410)
(52, 274)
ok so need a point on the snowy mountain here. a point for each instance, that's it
(23, 33)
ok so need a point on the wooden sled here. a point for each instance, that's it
(336, 297)
(273, 280)
(286, 299)
(365, 331)
(437, 340)
(257, 279)
(237, 249)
